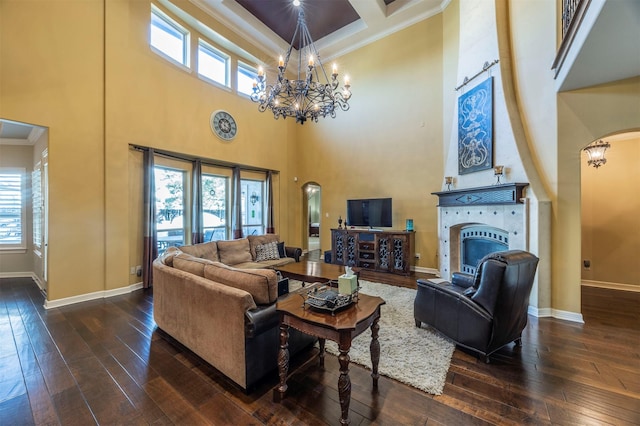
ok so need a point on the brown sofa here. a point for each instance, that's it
(255, 251)
(224, 314)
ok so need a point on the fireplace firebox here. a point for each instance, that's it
(476, 241)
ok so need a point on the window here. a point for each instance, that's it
(214, 207)
(252, 207)
(246, 77)
(37, 202)
(168, 37)
(171, 217)
(12, 209)
(213, 64)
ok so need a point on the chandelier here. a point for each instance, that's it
(312, 94)
(596, 151)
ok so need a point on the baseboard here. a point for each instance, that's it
(16, 274)
(50, 304)
(556, 313)
(421, 269)
(611, 286)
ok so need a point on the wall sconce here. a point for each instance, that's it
(449, 181)
(498, 171)
(254, 198)
(596, 151)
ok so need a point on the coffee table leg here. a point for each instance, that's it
(375, 351)
(283, 363)
(344, 382)
(321, 343)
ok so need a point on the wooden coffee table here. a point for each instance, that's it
(309, 272)
(341, 327)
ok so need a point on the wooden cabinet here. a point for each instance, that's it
(382, 251)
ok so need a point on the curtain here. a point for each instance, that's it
(270, 224)
(236, 211)
(197, 225)
(150, 246)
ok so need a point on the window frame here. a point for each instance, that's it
(174, 25)
(207, 48)
(20, 247)
(249, 69)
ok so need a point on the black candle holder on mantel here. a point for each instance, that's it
(340, 223)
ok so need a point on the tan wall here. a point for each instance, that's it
(389, 144)
(583, 116)
(19, 261)
(151, 102)
(51, 74)
(610, 206)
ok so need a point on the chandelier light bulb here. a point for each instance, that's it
(296, 3)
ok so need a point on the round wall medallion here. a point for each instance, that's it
(223, 125)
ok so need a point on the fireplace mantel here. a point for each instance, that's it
(508, 193)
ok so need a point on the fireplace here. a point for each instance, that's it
(476, 241)
(477, 221)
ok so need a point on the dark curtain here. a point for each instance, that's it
(271, 229)
(236, 211)
(197, 225)
(150, 246)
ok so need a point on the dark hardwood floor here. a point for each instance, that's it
(104, 362)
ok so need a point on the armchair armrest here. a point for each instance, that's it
(462, 280)
(294, 252)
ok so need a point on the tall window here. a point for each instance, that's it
(246, 76)
(12, 235)
(170, 208)
(214, 207)
(213, 64)
(253, 216)
(37, 203)
(168, 37)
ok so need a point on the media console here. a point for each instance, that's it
(382, 251)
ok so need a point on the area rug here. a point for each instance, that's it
(415, 356)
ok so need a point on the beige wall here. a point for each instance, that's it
(19, 262)
(610, 206)
(51, 74)
(85, 71)
(389, 144)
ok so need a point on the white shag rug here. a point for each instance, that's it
(415, 356)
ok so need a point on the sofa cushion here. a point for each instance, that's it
(188, 263)
(256, 240)
(262, 284)
(268, 251)
(169, 254)
(204, 250)
(232, 252)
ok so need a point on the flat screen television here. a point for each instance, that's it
(369, 212)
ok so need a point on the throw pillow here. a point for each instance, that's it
(281, 252)
(267, 251)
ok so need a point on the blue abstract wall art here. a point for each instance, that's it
(475, 128)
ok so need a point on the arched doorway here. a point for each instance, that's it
(312, 197)
(610, 231)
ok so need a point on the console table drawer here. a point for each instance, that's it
(367, 265)
(367, 255)
(367, 246)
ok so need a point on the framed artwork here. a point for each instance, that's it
(475, 128)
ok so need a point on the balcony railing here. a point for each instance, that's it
(572, 13)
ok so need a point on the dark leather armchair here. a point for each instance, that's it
(485, 311)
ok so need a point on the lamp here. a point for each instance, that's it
(254, 198)
(498, 171)
(596, 151)
(306, 97)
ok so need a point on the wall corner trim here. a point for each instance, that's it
(556, 313)
(50, 304)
